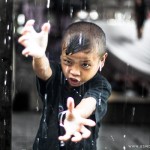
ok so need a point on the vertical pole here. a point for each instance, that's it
(6, 49)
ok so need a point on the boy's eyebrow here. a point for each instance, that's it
(82, 60)
(77, 43)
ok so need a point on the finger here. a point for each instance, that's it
(45, 28)
(24, 43)
(88, 122)
(77, 137)
(26, 52)
(28, 27)
(70, 104)
(65, 137)
(85, 132)
(24, 40)
(23, 37)
(30, 23)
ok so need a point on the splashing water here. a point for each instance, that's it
(48, 4)
(99, 100)
(133, 111)
(37, 105)
(112, 138)
(71, 11)
(80, 39)
(5, 81)
(133, 114)
(124, 147)
(44, 125)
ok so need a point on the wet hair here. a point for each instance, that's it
(84, 36)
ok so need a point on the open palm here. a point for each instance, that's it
(35, 43)
(74, 124)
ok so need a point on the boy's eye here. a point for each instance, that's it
(67, 62)
(86, 65)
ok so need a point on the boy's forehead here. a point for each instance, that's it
(78, 42)
(81, 56)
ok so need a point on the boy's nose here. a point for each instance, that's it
(75, 71)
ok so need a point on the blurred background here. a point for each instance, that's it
(127, 27)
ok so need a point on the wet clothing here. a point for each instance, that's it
(54, 93)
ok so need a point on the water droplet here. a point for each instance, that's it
(5, 81)
(80, 39)
(93, 143)
(4, 41)
(37, 105)
(99, 101)
(11, 68)
(44, 124)
(48, 4)
(71, 12)
(133, 111)
(124, 148)
(112, 138)
(8, 27)
(4, 122)
(62, 143)
(9, 38)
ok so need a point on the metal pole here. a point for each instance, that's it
(6, 50)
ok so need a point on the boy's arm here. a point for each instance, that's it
(86, 107)
(41, 67)
(76, 118)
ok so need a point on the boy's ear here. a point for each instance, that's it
(102, 62)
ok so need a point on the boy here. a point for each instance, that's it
(74, 93)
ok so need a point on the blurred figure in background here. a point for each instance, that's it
(140, 16)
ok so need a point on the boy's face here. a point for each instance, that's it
(80, 67)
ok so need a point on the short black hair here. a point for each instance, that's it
(83, 35)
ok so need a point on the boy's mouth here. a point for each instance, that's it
(74, 82)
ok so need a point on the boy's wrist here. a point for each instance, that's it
(39, 57)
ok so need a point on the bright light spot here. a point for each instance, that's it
(19, 29)
(82, 14)
(119, 16)
(94, 15)
(21, 19)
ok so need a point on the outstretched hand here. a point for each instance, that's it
(35, 43)
(74, 124)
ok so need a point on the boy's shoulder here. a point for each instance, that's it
(99, 80)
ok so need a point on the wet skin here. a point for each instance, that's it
(79, 67)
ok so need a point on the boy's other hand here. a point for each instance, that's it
(35, 43)
(74, 124)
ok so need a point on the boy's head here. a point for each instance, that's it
(81, 36)
(83, 52)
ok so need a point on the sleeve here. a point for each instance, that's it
(100, 89)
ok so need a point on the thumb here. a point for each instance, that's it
(45, 28)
